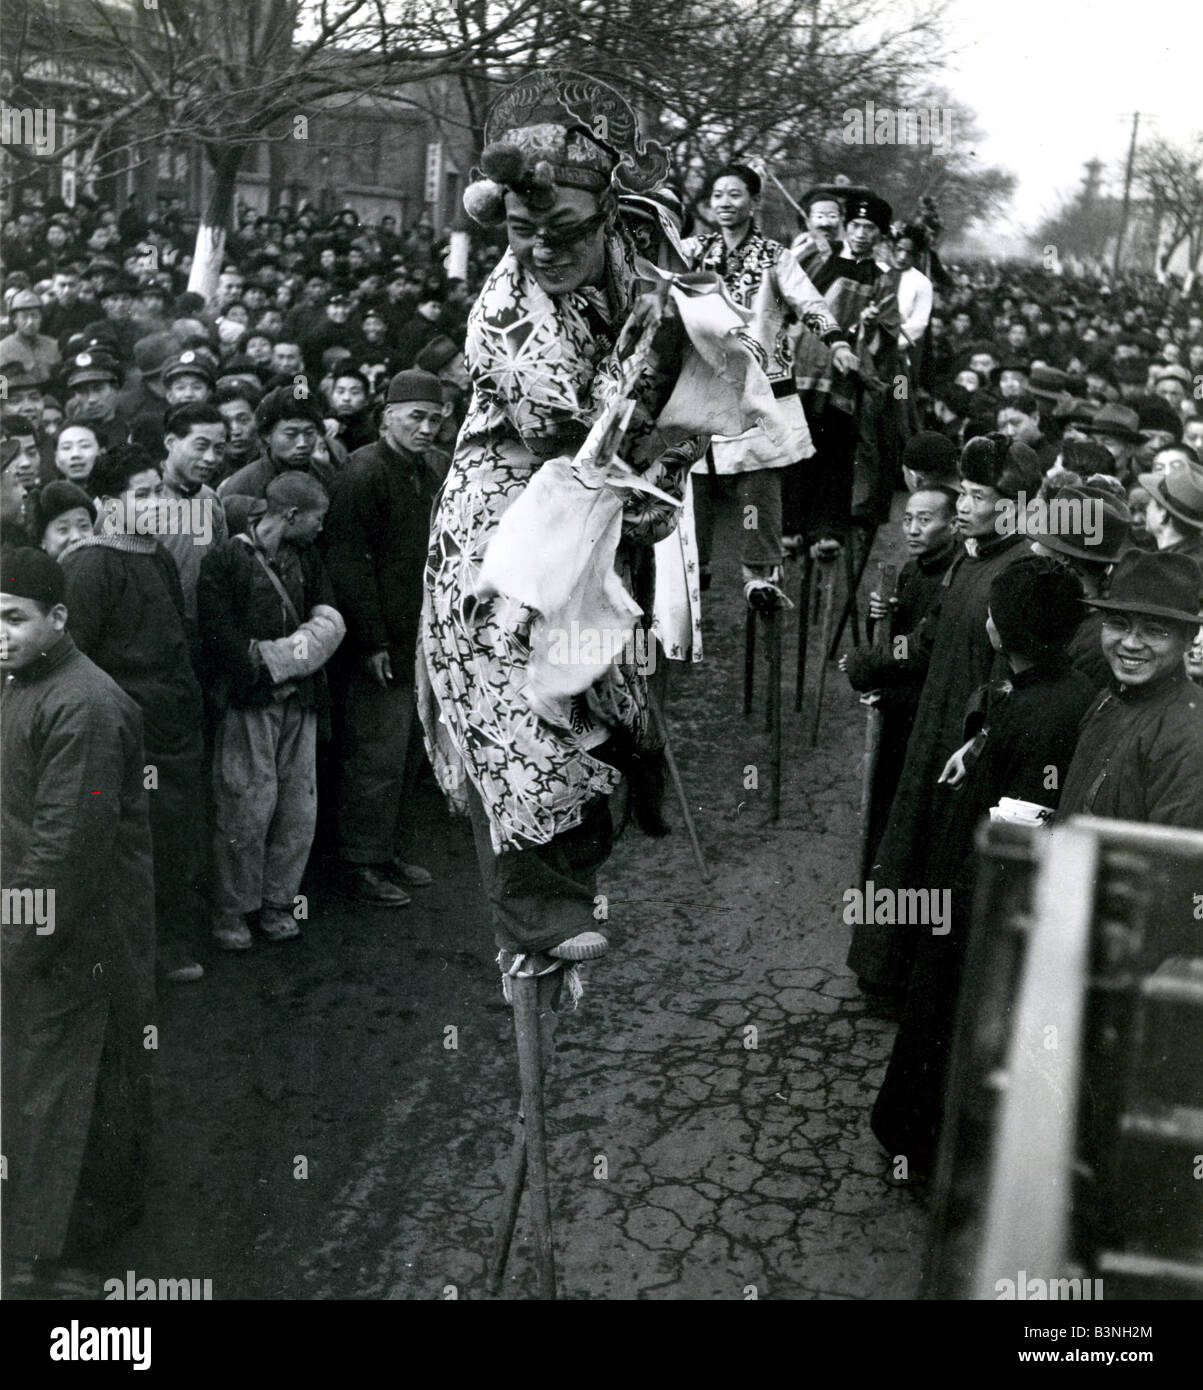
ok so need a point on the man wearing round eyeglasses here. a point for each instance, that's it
(289, 427)
(1140, 753)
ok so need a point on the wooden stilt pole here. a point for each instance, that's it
(804, 603)
(509, 1210)
(530, 1070)
(850, 604)
(827, 586)
(773, 638)
(749, 659)
(675, 773)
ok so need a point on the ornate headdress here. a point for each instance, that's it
(560, 127)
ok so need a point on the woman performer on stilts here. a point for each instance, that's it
(761, 276)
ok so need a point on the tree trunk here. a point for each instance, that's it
(210, 249)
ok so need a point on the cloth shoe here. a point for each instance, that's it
(278, 924)
(185, 974)
(233, 934)
(412, 875)
(586, 945)
(762, 589)
(367, 884)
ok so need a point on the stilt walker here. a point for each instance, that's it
(571, 354)
(837, 252)
(763, 278)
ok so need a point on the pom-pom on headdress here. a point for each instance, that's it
(560, 127)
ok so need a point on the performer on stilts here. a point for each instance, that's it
(546, 344)
(819, 503)
(762, 276)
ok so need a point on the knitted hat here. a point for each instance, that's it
(29, 573)
(933, 456)
(414, 385)
(1036, 605)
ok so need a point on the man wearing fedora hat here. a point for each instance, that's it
(1140, 751)
(1089, 551)
(1117, 428)
(144, 399)
(1174, 516)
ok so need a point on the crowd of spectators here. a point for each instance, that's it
(148, 433)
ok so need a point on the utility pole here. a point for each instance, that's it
(1123, 212)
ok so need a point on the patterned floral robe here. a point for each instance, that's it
(762, 276)
(542, 370)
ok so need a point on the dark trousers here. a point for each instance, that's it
(818, 491)
(379, 758)
(885, 426)
(758, 495)
(910, 1105)
(543, 895)
(177, 834)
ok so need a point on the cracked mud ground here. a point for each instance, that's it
(318, 1137)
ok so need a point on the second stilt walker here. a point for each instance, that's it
(762, 276)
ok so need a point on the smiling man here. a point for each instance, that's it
(1140, 753)
(194, 437)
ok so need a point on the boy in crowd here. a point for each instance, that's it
(60, 516)
(76, 998)
(267, 627)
